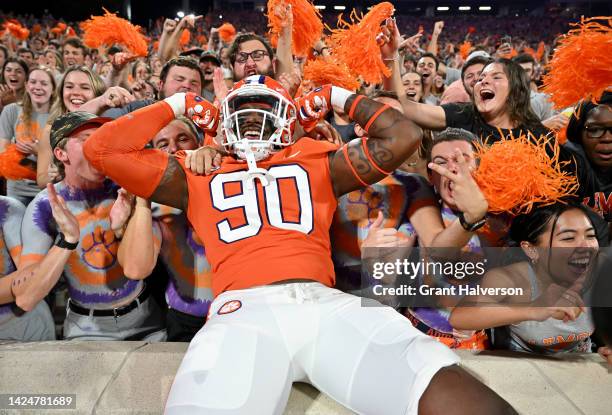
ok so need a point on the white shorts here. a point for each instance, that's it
(258, 341)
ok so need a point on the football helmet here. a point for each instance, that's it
(258, 117)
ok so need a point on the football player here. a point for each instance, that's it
(264, 217)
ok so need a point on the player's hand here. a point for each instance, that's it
(115, 96)
(466, 194)
(121, 211)
(203, 160)
(314, 106)
(202, 113)
(381, 237)
(67, 223)
(324, 131)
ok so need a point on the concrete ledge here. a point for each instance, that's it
(135, 377)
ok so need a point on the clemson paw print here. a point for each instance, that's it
(99, 249)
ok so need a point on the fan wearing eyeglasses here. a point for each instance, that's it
(589, 134)
(251, 54)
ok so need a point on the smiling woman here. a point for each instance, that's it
(23, 124)
(559, 246)
(500, 106)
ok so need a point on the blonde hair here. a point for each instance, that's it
(59, 108)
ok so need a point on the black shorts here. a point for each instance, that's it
(182, 327)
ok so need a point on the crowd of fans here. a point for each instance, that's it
(133, 269)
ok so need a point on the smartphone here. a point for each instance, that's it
(506, 39)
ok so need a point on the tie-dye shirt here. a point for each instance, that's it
(398, 196)
(11, 214)
(95, 278)
(14, 128)
(189, 287)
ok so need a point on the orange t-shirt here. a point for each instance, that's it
(256, 235)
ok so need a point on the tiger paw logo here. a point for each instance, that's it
(99, 249)
(230, 307)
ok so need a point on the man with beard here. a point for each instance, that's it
(251, 54)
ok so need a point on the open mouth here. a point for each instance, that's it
(425, 75)
(251, 134)
(486, 95)
(579, 264)
(605, 154)
(411, 94)
(77, 102)
(250, 72)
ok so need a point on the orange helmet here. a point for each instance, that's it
(258, 117)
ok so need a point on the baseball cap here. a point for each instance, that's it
(68, 123)
(478, 53)
(210, 55)
(194, 51)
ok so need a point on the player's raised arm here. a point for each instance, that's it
(363, 161)
(118, 149)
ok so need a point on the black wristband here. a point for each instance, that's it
(63, 243)
(471, 227)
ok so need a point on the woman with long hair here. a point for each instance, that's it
(12, 81)
(80, 89)
(24, 123)
(558, 245)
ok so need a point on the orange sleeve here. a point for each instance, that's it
(117, 149)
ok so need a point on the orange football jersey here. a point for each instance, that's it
(256, 235)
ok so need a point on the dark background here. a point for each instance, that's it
(144, 10)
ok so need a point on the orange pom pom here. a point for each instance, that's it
(325, 71)
(355, 43)
(464, 49)
(185, 37)
(17, 30)
(581, 67)
(110, 29)
(37, 28)
(59, 29)
(15, 165)
(307, 24)
(227, 32)
(531, 52)
(541, 180)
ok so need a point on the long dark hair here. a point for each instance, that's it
(529, 227)
(518, 104)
